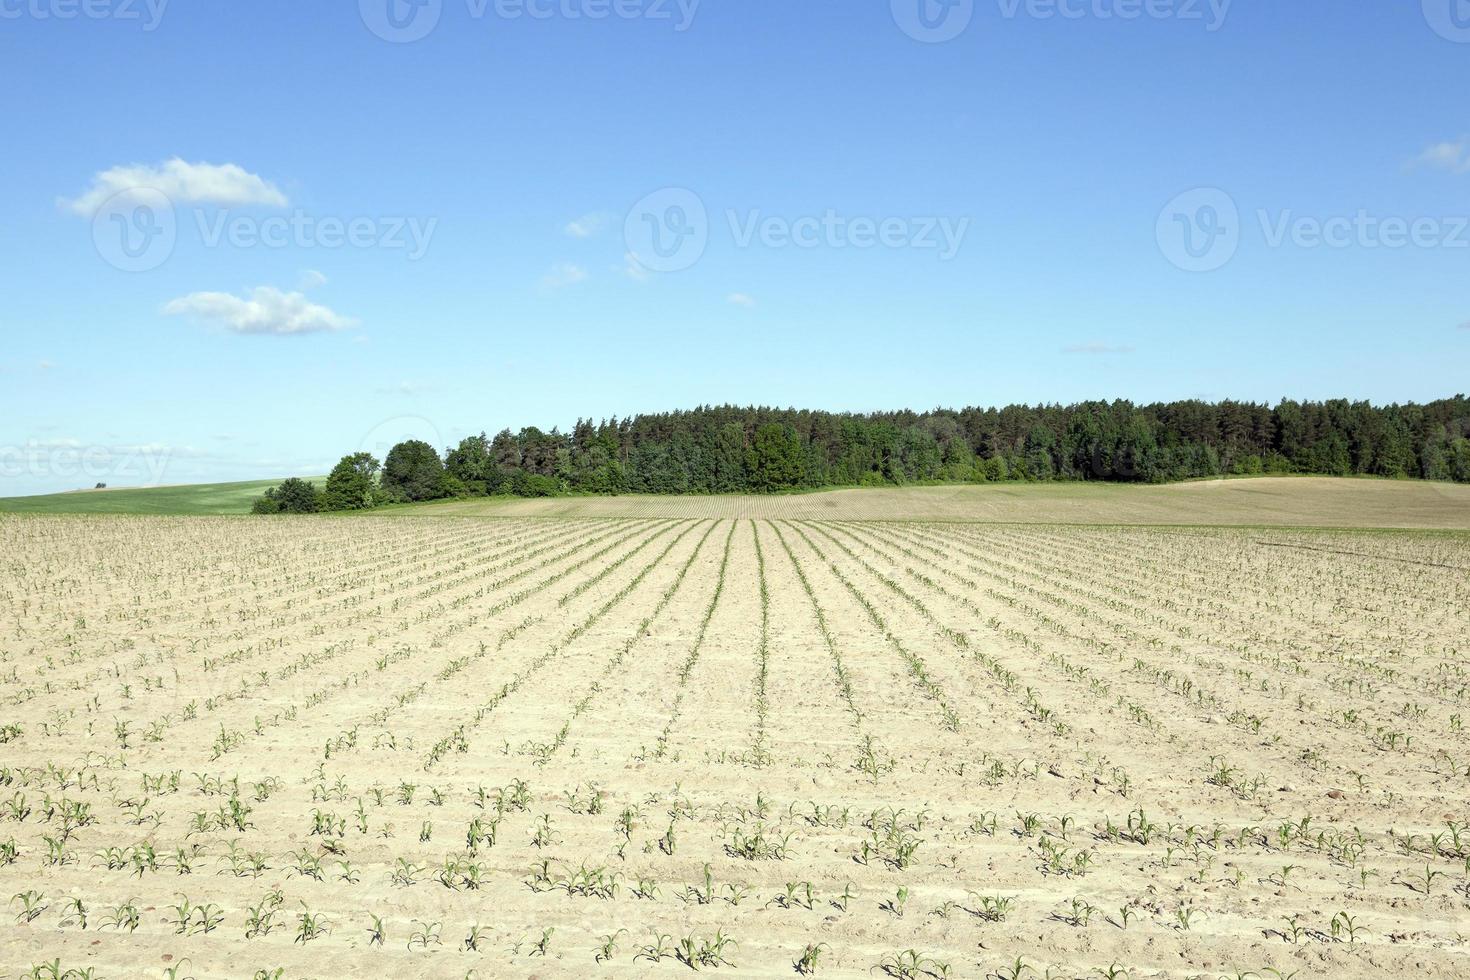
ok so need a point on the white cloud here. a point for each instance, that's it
(1452, 156)
(740, 299)
(310, 279)
(1096, 349)
(226, 185)
(163, 449)
(634, 269)
(563, 275)
(589, 224)
(405, 388)
(266, 310)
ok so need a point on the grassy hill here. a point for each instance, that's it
(203, 498)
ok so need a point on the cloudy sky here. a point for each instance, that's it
(243, 239)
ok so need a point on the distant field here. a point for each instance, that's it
(1272, 502)
(1277, 502)
(203, 498)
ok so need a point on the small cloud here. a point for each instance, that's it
(158, 449)
(57, 445)
(563, 275)
(46, 365)
(409, 388)
(589, 225)
(740, 299)
(226, 185)
(1096, 349)
(634, 269)
(1453, 156)
(266, 311)
(310, 279)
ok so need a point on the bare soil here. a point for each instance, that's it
(449, 747)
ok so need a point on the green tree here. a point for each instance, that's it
(352, 483)
(774, 461)
(1459, 460)
(473, 463)
(731, 448)
(413, 471)
(1331, 456)
(505, 449)
(1040, 442)
(1435, 462)
(293, 496)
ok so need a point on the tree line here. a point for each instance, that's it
(730, 449)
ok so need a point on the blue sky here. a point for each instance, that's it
(504, 173)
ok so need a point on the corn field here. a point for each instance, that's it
(454, 747)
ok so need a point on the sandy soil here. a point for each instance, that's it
(1274, 502)
(442, 747)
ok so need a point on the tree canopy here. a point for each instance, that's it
(293, 496)
(729, 449)
(352, 484)
(413, 471)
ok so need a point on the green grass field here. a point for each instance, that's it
(203, 498)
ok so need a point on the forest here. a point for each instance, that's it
(730, 449)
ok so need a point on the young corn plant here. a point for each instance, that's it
(31, 903)
(607, 946)
(310, 925)
(696, 951)
(806, 963)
